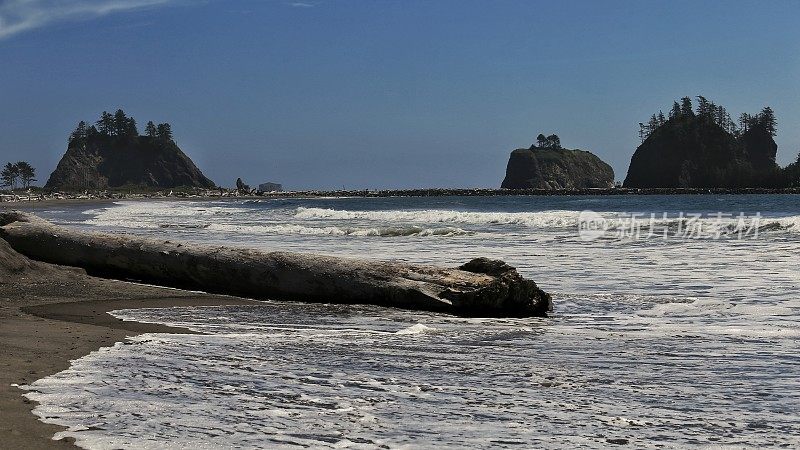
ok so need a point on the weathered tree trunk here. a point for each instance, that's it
(481, 287)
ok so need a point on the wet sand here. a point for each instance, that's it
(50, 316)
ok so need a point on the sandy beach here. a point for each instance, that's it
(51, 315)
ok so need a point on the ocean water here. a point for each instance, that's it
(676, 325)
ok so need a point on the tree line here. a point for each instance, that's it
(118, 125)
(21, 171)
(542, 141)
(712, 113)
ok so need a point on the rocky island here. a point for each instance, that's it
(546, 165)
(705, 148)
(112, 154)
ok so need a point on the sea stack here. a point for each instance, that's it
(114, 155)
(546, 165)
(706, 149)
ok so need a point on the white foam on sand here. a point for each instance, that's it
(283, 374)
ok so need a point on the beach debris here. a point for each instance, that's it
(480, 288)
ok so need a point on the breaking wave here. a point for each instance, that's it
(339, 231)
(417, 329)
(556, 218)
(160, 214)
(316, 221)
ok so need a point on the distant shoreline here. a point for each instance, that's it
(485, 192)
(7, 200)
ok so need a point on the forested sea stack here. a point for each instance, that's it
(706, 148)
(112, 154)
(546, 165)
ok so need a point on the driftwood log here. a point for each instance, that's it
(482, 287)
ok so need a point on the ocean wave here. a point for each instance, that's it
(182, 226)
(160, 215)
(710, 226)
(168, 208)
(417, 329)
(787, 223)
(559, 219)
(427, 222)
(556, 218)
(338, 231)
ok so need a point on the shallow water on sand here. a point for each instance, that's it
(654, 342)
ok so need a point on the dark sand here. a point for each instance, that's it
(50, 316)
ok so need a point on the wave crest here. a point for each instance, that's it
(549, 219)
(339, 231)
(556, 218)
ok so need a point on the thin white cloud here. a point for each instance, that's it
(17, 16)
(303, 4)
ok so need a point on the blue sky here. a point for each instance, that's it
(386, 94)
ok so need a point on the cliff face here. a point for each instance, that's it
(543, 168)
(692, 152)
(102, 162)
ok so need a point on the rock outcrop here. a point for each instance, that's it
(550, 168)
(11, 262)
(102, 162)
(270, 187)
(480, 288)
(693, 152)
